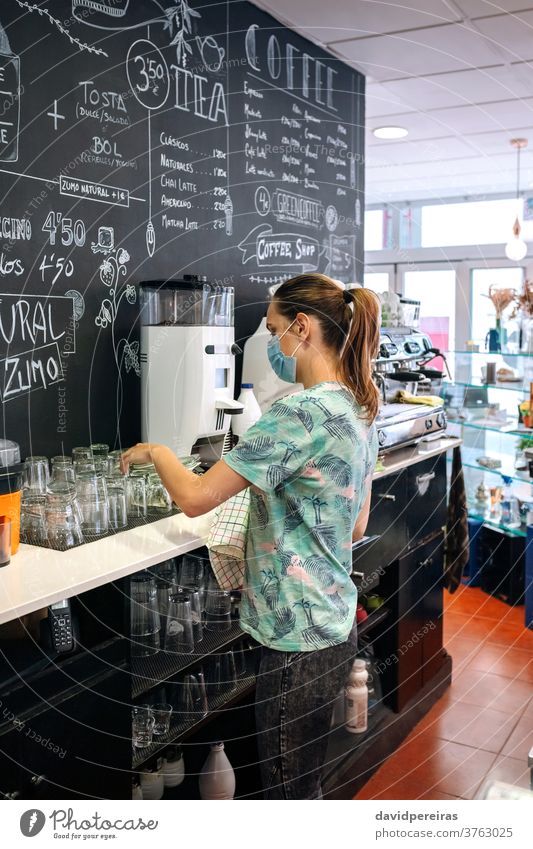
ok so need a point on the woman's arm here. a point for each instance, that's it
(194, 494)
(362, 520)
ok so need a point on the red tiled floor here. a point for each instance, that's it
(483, 724)
(520, 741)
(488, 630)
(450, 767)
(471, 725)
(509, 662)
(510, 770)
(487, 690)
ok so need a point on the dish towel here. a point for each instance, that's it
(405, 397)
(457, 541)
(227, 540)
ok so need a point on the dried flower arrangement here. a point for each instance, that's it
(524, 301)
(501, 298)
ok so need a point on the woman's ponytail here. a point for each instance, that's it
(350, 322)
(361, 348)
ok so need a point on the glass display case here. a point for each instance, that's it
(492, 419)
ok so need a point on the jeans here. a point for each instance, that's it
(295, 694)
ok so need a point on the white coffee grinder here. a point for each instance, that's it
(188, 365)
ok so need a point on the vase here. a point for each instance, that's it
(217, 779)
(526, 334)
(492, 340)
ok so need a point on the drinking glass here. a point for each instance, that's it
(63, 527)
(218, 610)
(36, 475)
(145, 620)
(165, 577)
(229, 673)
(215, 682)
(189, 699)
(113, 463)
(196, 613)
(143, 722)
(200, 677)
(116, 495)
(83, 465)
(162, 713)
(157, 498)
(192, 574)
(179, 632)
(81, 453)
(99, 449)
(33, 519)
(91, 490)
(63, 470)
(136, 496)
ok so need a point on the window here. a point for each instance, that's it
(487, 222)
(435, 289)
(483, 316)
(374, 230)
(378, 281)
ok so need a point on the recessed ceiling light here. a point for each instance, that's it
(390, 132)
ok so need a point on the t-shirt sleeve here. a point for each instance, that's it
(273, 450)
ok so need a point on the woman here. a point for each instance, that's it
(308, 462)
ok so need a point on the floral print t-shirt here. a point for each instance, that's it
(309, 461)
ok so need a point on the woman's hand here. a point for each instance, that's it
(140, 453)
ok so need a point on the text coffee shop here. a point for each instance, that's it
(266, 385)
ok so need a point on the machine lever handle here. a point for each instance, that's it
(386, 496)
(236, 349)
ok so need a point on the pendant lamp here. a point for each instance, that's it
(516, 248)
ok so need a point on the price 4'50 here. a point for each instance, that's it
(70, 233)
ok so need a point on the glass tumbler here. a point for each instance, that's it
(92, 496)
(192, 574)
(113, 463)
(142, 722)
(179, 636)
(33, 519)
(162, 713)
(189, 700)
(157, 498)
(145, 621)
(63, 527)
(196, 612)
(217, 610)
(36, 475)
(116, 495)
(81, 452)
(136, 496)
(63, 470)
(100, 453)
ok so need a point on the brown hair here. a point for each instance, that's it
(353, 335)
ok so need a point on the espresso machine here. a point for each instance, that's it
(402, 363)
(188, 365)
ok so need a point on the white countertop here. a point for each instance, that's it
(37, 577)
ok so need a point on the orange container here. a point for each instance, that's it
(10, 492)
(10, 507)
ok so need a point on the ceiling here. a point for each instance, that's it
(458, 74)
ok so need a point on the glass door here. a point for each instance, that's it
(435, 287)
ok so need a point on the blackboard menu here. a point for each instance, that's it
(142, 141)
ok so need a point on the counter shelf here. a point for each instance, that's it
(133, 522)
(181, 730)
(149, 672)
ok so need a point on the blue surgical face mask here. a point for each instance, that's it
(283, 364)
